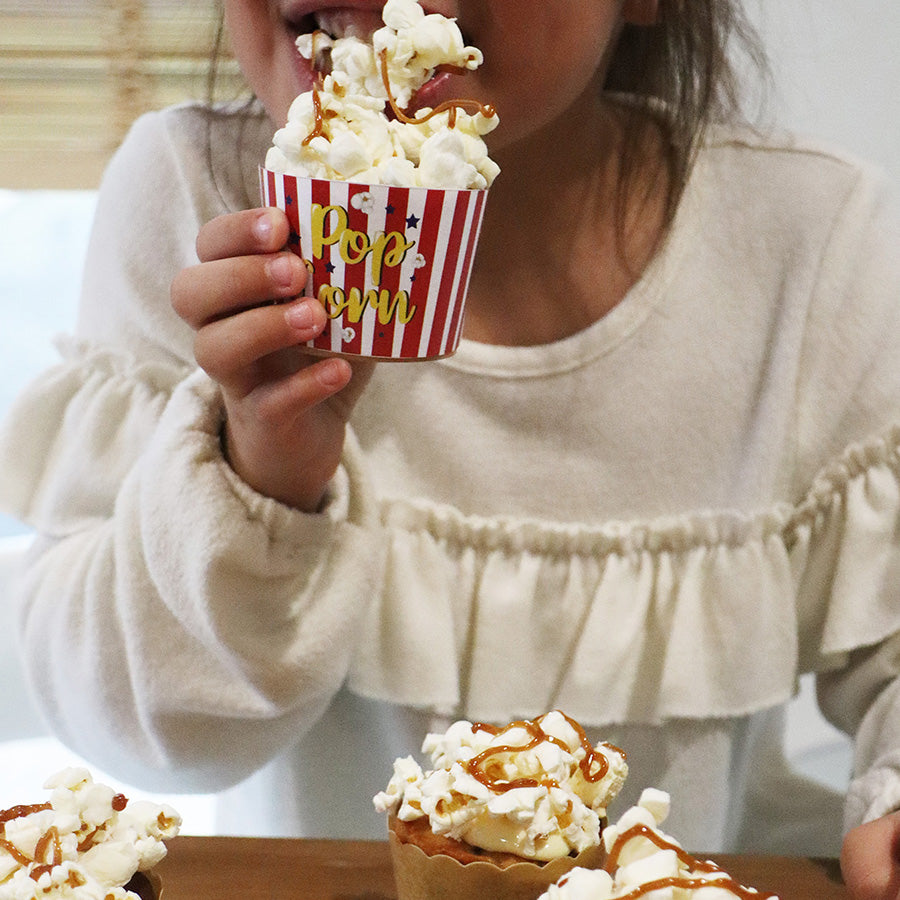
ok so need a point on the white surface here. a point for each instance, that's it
(837, 71)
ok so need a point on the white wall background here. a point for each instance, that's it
(837, 71)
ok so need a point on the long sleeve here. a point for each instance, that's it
(180, 629)
(852, 387)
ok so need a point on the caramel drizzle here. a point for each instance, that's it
(48, 841)
(320, 115)
(470, 106)
(685, 882)
(476, 768)
(49, 838)
(319, 121)
(695, 884)
(15, 853)
(18, 812)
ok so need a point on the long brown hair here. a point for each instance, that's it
(694, 67)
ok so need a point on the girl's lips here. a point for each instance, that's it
(359, 18)
(349, 17)
(449, 85)
(343, 19)
(304, 16)
(300, 9)
(433, 92)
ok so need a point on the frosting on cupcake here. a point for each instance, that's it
(537, 789)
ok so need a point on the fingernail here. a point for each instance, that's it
(333, 373)
(300, 315)
(262, 227)
(281, 270)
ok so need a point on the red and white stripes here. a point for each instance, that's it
(390, 264)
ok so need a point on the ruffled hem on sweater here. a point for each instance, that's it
(705, 614)
(711, 613)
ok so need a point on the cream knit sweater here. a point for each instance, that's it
(655, 525)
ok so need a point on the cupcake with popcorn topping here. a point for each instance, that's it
(503, 812)
(645, 862)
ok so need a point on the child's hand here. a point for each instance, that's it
(870, 859)
(285, 409)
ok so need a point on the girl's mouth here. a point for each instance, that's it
(339, 22)
(360, 21)
(333, 23)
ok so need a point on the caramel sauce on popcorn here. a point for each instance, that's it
(48, 843)
(470, 106)
(18, 812)
(654, 837)
(695, 884)
(15, 853)
(87, 841)
(321, 115)
(683, 882)
(50, 838)
(478, 768)
(318, 112)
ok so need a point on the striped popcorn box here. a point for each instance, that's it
(391, 265)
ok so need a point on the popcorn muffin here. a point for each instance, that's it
(88, 842)
(644, 861)
(503, 812)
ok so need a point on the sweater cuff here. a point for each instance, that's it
(874, 794)
(279, 520)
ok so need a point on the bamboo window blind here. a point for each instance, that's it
(75, 74)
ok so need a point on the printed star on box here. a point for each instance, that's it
(412, 221)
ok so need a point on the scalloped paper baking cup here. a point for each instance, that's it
(391, 265)
(147, 885)
(419, 876)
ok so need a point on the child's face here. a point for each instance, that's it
(537, 64)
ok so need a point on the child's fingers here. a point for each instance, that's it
(249, 231)
(285, 399)
(201, 294)
(229, 349)
(869, 859)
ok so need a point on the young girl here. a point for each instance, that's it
(659, 480)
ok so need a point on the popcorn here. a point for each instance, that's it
(86, 843)
(341, 130)
(643, 861)
(536, 789)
